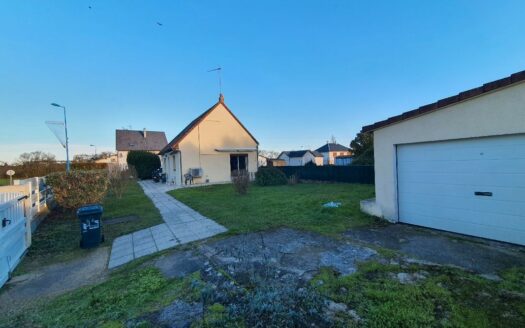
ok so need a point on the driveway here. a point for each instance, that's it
(475, 254)
(182, 225)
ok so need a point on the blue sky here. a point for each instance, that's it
(294, 72)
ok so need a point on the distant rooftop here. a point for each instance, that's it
(332, 147)
(127, 140)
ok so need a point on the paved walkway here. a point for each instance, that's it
(182, 225)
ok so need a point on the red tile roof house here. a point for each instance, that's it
(128, 140)
(457, 164)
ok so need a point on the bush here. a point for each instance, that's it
(78, 187)
(241, 182)
(120, 178)
(144, 162)
(270, 176)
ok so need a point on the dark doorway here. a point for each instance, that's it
(238, 163)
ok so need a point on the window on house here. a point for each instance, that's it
(173, 163)
(238, 162)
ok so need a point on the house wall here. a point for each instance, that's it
(497, 113)
(329, 157)
(301, 161)
(218, 130)
(171, 167)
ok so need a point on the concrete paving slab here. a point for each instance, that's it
(182, 225)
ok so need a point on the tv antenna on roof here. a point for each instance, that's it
(218, 69)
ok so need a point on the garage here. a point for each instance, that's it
(457, 164)
(473, 186)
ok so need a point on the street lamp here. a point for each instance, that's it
(67, 141)
(95, 149)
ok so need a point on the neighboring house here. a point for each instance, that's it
(213, 147)
(128, 140)
(263, 160)
(112, 159)
(344, 160)
(276, 162)
(331, 150)
(301, 157)
(457, 164)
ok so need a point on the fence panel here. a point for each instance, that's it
(13, 242)
(351, 174)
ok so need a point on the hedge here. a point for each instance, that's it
(144, 163)
(270, 176)
(36, 169)
(78, 187)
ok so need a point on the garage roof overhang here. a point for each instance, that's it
(445, 102)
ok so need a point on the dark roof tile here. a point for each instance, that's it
(465, 95)
(127, 140)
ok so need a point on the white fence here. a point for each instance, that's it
(22, 208)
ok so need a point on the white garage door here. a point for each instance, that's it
(472, 186)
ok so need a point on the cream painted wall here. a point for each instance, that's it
(497, 113)
(218, 130)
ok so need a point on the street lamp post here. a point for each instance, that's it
(95, 149)
(67, 140)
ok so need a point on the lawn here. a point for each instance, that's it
(128, 293)
(57, 238)
(296, 206)
(4, 182)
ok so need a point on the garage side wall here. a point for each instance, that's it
(498, 113)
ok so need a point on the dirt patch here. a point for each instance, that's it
(54, 280)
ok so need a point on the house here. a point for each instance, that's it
(276, 162)
(128, 140)
(301, 157)
(343, 160)
(212, 148)
(331, 150)
(457, 164)
(109, 159)
(263, 160)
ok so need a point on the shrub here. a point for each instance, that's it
(120, 178)
(144, 162)
(270, 176)
(241, 182)
(78, 187)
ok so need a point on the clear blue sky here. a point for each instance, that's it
(294, 72)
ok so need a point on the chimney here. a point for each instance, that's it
(144, 133)
(221, 98)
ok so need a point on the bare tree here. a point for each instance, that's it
(120, 178)
(35, 157)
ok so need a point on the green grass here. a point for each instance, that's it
(57, 238)
(296, 206)
(4, 182)
(449, 297)
(127, 294)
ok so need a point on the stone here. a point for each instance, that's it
(334, 307)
